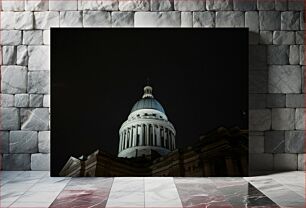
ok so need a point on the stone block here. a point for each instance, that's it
(229, 19)
(301, 162)
(189, 5)
(46, 37)
(299, 37)
(39, 82)
(283, 37)
(245, 5)
(4, 141)
(265, 5)
(162, 5)
(294, 141)
(16, 162)
(300, 119)
(21, 100)
(23, 142)
(274, 142)
(203, 19)
(285, 162)
(37, 5)
(24, 20)
(290, 20)
(7, 20)
(302, 20)
(22, 55)
(302, 55)
(44, 141)
(283, 118)
(261, 162)
(10, 37)
(297, 5)
(33, 37)
(294, 54)
(257, 101)
(46, 101)
(63, 5)
(36, 100)
(45, 20)
(9, 55)
(269, 20)
(9, 119)
(157, 19)
(13, 5)
(252, 21)
(186, 19)
(278, 54)
(303, 80)
(281, 5)
(134, 5)
(14, 79)
(260, 120)
(276, 100)
(258, 82)
(36, 119)
(222, 5)
(122, 19)
(97, 19)
(256, 144)
(98, 5)
(266, 37)
(71, 19)
(40, 161)
(39, 58)
(295, 100)
(6, 100)
(256, 133)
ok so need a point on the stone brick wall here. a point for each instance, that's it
(276, 78)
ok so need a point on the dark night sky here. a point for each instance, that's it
(200, 76)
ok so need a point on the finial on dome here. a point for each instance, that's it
(147, 92)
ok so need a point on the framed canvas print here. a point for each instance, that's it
(149, 102)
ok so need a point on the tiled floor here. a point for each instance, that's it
(36, 189)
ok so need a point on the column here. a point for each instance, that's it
(141, 135)
(135, 136)
(165, 137)
(174, 145)
(131, 137)
(158, 142)
(153, 133)
(169, 140)
(126, 138)
(123, 141)
(120, 137)
(147, 135)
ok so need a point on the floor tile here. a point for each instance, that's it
(128, 184)
(125, 199)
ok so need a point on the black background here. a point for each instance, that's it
(200, 76)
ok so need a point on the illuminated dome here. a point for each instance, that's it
(147, 129)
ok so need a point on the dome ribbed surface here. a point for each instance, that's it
(148, 103)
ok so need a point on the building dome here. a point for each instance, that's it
(147, 129)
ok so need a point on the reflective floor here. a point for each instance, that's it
(36, 189)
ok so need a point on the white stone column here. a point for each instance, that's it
(135, 136)
(165, 137)
(126, 139)
(147, 135)
(153, 135)
(141, 135)
(174, 145)
(169, 140)
(158, 132)
(120, 137)
(131, 137)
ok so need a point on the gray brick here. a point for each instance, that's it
(246, 5)
(257, 101)
(134, 5)
(39, 82)
(294, 141)
(9, 55)
(219, 5)
(71, 19)
(37, 5)
(281, 5)
(24, 20)
(122, 19)
(45, 20)
(294, 54)
(7, 22)
(274, 142)
(256, 144)
(13, 79)
(302, 19)
(283, 37)
(21, 100)
(303, 79)
(6, 100)
(261, 161)
(46, 101)
(4, 141)
(257, 57)
(295, 100)
(299, 37)
(39, 57)
(23, 142)
(16, 162)
(252, 21)
(266, 37)
(157, 19)
(9, 119)
(195, 5)
(203, 19)
(296, 5)
(36, 100)
(36, 119)
(301, 162)
(276, 100)
(40, 161)
(98, 5)
(265, 5)
(162, 5)
(269, 20)
(258, 82)
(44, 141)
(33, 37)
(13, 6)
(302, 56)
(186, 19)
(260, 120)
(278, 54)
(229, 19)
(285, 162)
(63, 5)
(11, 37)
(22, 55)
(283, 118)
(290, 20)
(97, 19)
(300, 119)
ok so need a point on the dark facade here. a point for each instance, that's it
(222, 152)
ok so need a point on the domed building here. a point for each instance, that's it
(147, 130)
